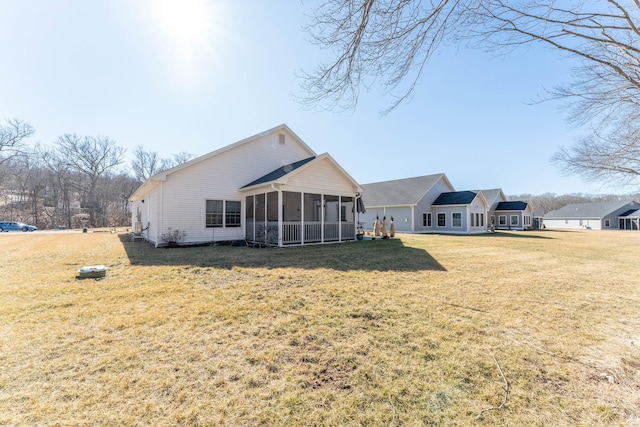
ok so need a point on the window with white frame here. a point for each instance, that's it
(220, 213)
(442, 220)
(232, 214)
(515, 221)
(607, 223)
(473, 223)
(502, 220)
(456, 219)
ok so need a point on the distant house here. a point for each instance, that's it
(508, 214)
(597, 216)
(460, 212)
(425, 204)
(513, 215)
(269, 189)
(407, 200)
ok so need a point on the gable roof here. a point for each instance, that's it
(492, 194)
(279, 173)
(587, 210)
(512, 206)
(455, 198)
(401, 192)
(154, 180)
(282, 174)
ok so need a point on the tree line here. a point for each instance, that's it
(83, 181)
(77, 181)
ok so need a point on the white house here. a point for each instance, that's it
(595, 216)
(425, 204)
(407, 200)
(460, 212)
(508, 214)
(268, 189)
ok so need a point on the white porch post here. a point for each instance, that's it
(302, 218)
(280, 213)
(322, 208)
(339, 218)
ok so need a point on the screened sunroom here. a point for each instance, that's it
(288, 206)
(280, 218)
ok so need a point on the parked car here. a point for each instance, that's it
(16, 226)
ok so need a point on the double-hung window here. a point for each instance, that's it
(456, 219)
(221, 213)
(442, 219)
(426, 219)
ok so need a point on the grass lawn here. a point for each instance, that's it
(523, 328)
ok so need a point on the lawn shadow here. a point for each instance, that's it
(369, 255)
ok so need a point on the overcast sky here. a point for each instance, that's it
(196, 75)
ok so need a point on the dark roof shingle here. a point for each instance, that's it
(455, 198)
(511, 206)
(280, 172)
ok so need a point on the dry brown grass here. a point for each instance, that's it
(399, 332)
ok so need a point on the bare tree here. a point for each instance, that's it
(389, 43)
(12, 136)
(181, 157)
(93, 156)
(613, 157)
(145, 163)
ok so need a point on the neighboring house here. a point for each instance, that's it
(460, 212)
(596, 216)
(508, 214)
(513, 215)
(407, 200)
(268, 189)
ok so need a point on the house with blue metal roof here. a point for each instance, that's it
(619, 215)
(508, 214)
(512, 215)
(430, 204)
(269, 189)
(460, 212)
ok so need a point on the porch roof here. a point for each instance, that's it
(280, 172)
(633, 213)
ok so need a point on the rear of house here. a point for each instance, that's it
(270, 188)
(513, 215)
(460, 212)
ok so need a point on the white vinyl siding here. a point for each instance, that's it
(219, 177)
